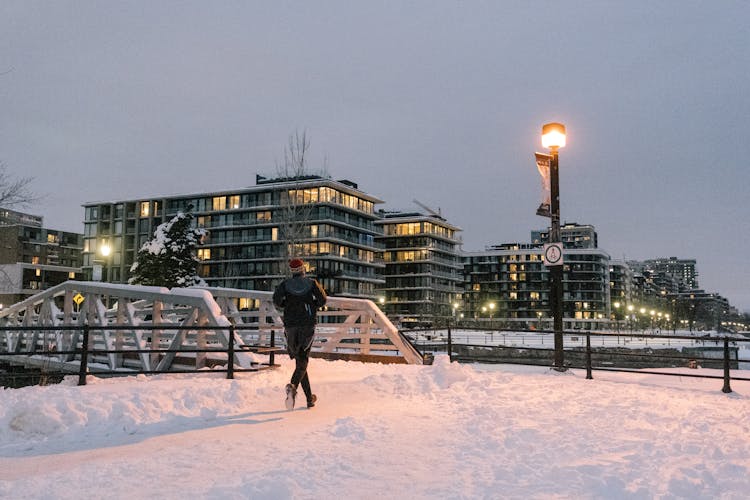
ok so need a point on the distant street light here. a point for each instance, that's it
(99, 269)
(553, 138)
(617, 312)
(630, 316)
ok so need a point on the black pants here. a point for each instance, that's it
(299, 341)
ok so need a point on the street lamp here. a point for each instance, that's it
(553, 138)
(630, 316)
(651, 323)
(100, 271)
(617, 313)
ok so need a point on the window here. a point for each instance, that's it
(35, 260)
(220, 202)
(204, 253)
(52, 238)
(145, 208)
(37, 272)
(234, 201)
(274, 233)
(71, 275)
(263, 216)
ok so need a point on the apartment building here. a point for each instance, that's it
(34, 258)
(508, 285)
(422, 267)
(251, 234)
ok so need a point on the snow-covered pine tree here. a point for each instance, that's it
(169, 258)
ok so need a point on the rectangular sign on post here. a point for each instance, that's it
(543, 162)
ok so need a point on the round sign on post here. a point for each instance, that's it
(553, 254)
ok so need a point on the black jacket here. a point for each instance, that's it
(299, 298)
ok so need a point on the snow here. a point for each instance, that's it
(402, 431)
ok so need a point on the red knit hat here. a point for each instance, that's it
(297, 266)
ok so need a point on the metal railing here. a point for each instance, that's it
(57, 351)
(140, 319)
(618, 352)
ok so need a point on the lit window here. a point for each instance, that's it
(513, 295)
(145, 208)
(274, 234)
(38, 272)
(220, 202)
(71, 275)
(204, 253)
(234, 201)
(263, 216)
(35, 259)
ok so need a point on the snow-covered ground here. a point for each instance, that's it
(379, 431)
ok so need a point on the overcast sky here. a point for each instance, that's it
(442, 102)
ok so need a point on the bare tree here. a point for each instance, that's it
(296, 204)
(14, 191)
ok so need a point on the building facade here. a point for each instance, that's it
(422, 268)
(508, 285)
(683, 271)
(572, 234)
(34, 258)
(252, 232)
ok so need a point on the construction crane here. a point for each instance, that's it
(428, 209)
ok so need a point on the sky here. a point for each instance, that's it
(441, 102)
(379, 431)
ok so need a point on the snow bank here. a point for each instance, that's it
(444, 431)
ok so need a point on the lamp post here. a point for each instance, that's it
(100, 271)
(630, 316)
(553, 138)
(617, 314)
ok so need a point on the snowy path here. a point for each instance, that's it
(445, 431)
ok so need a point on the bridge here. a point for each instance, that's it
(157, 323)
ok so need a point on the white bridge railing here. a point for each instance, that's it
(191, 318)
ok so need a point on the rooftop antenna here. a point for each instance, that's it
(428, 209)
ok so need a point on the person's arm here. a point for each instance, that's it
(279, 296)
(320, 294)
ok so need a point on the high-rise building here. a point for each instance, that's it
(252, 232)
(34, 258)
(620, 282)
(572, 234)
(422, 267)
(510, 283)
(682, 270)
